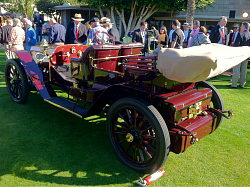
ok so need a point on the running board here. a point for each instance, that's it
(69, 106)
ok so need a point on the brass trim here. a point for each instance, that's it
(59, 106)
(115, 57)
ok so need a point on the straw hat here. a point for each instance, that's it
(78, 17)
(105, 21)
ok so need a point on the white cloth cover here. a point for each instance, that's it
(199, 63)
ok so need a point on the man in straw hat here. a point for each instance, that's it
(186, 32)
(76, 31)
(95, 24)
(106, 23)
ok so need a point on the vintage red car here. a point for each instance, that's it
(148, 115)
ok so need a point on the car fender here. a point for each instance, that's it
(114, 93)
(35, 74)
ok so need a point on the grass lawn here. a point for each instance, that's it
(41, 145)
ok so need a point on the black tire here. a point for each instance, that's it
(216, 100)
(16, 81)
(136, 118)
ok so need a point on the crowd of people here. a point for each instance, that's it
(20, 34)
(200, 35)
(14, 37)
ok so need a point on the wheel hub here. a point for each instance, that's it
(134, 136)
(129, 137)
(14, 81)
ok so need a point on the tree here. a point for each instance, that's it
(192, 5)
(190, 12)
(45, 6)
(140, 10)
(19, 6)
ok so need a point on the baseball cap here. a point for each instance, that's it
(94, 19)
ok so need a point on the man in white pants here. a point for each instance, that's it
(240, 71)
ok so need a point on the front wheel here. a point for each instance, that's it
(138, 135)
(16, 81)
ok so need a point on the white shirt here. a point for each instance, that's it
(186, 34)
(170, 35)
(235, 36)
(143, 36)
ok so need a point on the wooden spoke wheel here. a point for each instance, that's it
(138, 135)
(216, 100)
(16, 81)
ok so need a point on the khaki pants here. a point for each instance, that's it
(240, 71)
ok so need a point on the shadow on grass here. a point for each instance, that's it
(40, 142)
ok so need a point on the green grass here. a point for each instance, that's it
(41, 145)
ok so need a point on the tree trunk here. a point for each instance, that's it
(121, 15)
(127, 27)
(112, 16)
(101, 12)
(153, 10)
(190, 12)
(137, 14)
(141, 15)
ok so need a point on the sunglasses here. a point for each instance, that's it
(236, 27)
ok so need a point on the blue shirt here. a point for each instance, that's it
(100, 36)
(30, 36)
(57, 33)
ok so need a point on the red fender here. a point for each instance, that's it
(35, 74)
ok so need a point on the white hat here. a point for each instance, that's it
(185, 24)
(78, 17)
(105, 21)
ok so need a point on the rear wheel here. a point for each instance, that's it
(216, 100)
(138, 135)
(16, 81)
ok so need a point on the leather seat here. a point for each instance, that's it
(102, 47)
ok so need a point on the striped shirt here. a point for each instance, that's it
(17, 36)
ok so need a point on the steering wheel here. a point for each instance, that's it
(110, 37)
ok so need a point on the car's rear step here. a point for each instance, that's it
(68, 106)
